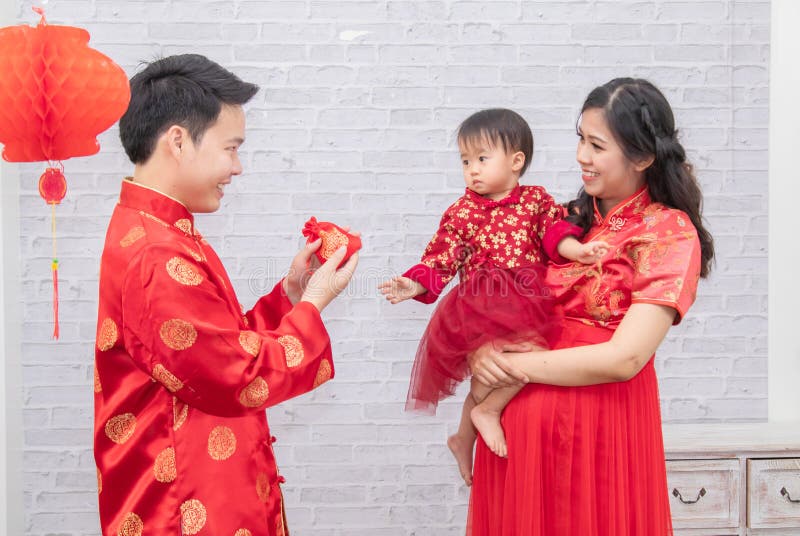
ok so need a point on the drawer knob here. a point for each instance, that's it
(788, 497)
(700, 494)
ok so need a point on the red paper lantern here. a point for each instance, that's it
(56, 93)
(56, 96)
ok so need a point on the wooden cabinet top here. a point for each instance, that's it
(713, 439)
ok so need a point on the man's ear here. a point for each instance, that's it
(517, 161)
(175, 137)
(645, 163)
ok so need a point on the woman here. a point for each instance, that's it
(585, 451)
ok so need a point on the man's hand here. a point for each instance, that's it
(300, 270)
(398, 289)
(327, 282)
(490, 367)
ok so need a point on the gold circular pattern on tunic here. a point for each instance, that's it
(119, 429)
(331, 241)
(323, 374)
(153, 218)
(131, 526)
(108, 335)
(98, 387)
(184, 225)
(221, 443)
(250, 341)
(193, 254)
(243, 532)
(180, 410)
(167, 378)
(164, 469)
(183, 272)
(255, 394)
(293, 348)
(132, 236)
(262, 487)
(178, 334)
(193, 516)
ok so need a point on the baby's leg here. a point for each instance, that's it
(486, 418)
(462, 442)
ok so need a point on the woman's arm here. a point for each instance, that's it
(620, 359)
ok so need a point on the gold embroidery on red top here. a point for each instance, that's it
(250, 341)
(262, 487)
(108, 335)
(132, 236)
(184, 225)
(98, 387)
(167, 378)
(164, 468)
(183, 272)
(199, 257)
(178, 334)
(131, 526)
(221, 443)
(243, 532)
(99, 482)
(119, 429)
(180, 410)
(153, 218)
(323, 374)
(293, 349)
(193, 516)
(255, 394)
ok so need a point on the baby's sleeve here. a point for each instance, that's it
(441, 260)
(552, 228)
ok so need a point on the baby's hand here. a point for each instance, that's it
(400, 288)
(591, 252)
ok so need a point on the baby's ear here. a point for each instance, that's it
(517, 161)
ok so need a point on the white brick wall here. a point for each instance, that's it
(354, 124)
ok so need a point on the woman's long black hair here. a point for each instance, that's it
(641, 120)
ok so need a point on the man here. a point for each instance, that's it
(182, 375)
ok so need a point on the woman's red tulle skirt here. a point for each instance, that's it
(582, 461)
(493, 304)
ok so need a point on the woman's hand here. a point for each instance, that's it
(490, 367)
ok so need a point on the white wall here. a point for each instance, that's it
(784, 192)
(11, 486)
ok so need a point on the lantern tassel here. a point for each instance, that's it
(55, 272)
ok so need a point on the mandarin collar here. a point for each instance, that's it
(618, 216)
(157, 204)
(513, 197)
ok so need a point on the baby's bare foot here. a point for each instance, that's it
(462, 451)
(487, 421)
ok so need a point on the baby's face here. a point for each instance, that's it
(488, 169)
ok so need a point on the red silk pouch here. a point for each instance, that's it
(333, 237)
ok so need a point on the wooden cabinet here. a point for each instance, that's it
(734, 480)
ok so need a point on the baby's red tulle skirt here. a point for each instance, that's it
(492, 304)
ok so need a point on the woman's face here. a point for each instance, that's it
(607, 173)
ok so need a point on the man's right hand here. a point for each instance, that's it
(327, 282)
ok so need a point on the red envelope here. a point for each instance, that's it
(333, 237)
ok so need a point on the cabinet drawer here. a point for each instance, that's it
(772, 486)
(704, 493)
